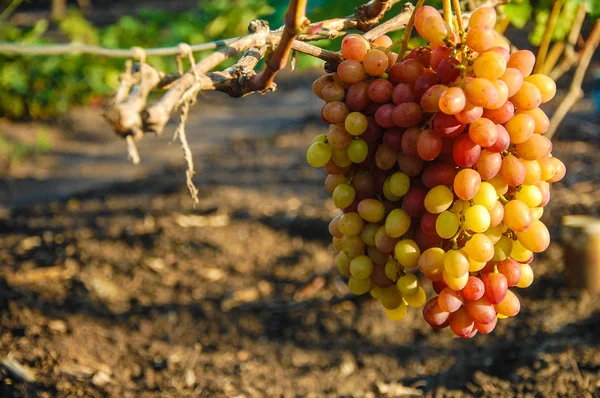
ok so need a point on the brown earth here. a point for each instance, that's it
(125, 289)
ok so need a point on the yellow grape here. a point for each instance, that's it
(530, 195)
(390, 298)
(431, 263)
(337, 243)
(340, 157)
(353, 245)
(372, 210)
(537, 212)
(486, 196)
(361, 267)
(545, 84)
(392, 269)
(475, 266)
(533, 172)
(368, 233)
(535, 148)
(358, 151)
(477, 219)
(387, 191)
(356, 123)
(318, 154)
(502, 89)
(542, 123)
(536, 238)
(359, 286)
(517, 215)
(499, 184)
(519, 253)
(446, 225)
(408, 284)
(434, 30)
(479, 248)
(484, 16)
(342, 261)
(502, 249)
(375, 62)
(438, 199)
(456, 263)
(495, 233)
(482, 92)
(523, 60)
(396, 314)
(480, 38)
(520, 128)
(416, 300)
(489, 65)
(528, 97)
(407, 253)
(397, 223)
(452, 101)
(350, 224)
(343, 196)
(399, 184)
(456, 283)
(496, 214)
(526, 276)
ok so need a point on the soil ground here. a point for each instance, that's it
(113, 284)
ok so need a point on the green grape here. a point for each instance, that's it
(438, 199)
(486, 196)
(350, 224)
(359, 286)
(477, 219)
(361, 267)
(357, 151)
(399, 184)
(387, 191)
(456, 263)
(408, 284)
(407, 253)
(343, 196)
(397, 223)
(318, 154)
(502, 249)
(446, 225)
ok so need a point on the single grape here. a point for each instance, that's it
(480, 248)
(407, 114)
(480, 38)
(357, 151)
(359, 286)
(408, 284)
(483, 132)
(350, 224)
(318, 154)
(489, 65)
(406, 72)
(502, 114)
(383, 41)
(368, 233)
(351, 71)
(481, 92)
(413, 202)
(375, 62)
(429, 145)
(434, 29)
(496, 214)
(397, 223)
(431, 263)
(456, 263)
(488, 164)
(447, 126)
(446, 225)
(355, 47)
(322, 82)
(410, 165)
(485, 16)
(528, 97)
(465, 152)
(523, 60)
(470, 113)
(559, 167)
(477, 219)
(526, 276)
(542, 123)
(407, 253)
(461, 323)
(399, 184)
(466, 184)
(452, 101)
(450, 300)
(474, 289)
(403, 93)
(342, 262)
(512, 170)
(502, 140)
(448, 70)
(380, 91)
(333, 92)
(510, 306)
(431, 98)
(357, 96)
(545, 84)
(343, 196)
(481, 310)
(434, 315)
(438, 174)
(536, 238)
(535, 148)
(353, 245)
(396, 314)
(371, 210)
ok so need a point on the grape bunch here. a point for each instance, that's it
(437, 160)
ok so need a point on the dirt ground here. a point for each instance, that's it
(127, 290)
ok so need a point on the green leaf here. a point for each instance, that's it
(541, 19)
(519, 13)
(593, 8)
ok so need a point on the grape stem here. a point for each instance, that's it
(407, 32)
(459, 20)
(575, 92)
(447, 12)
(543, 50)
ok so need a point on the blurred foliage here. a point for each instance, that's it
(43, 87)
(12, 153)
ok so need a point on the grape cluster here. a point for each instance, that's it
(438, 161)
